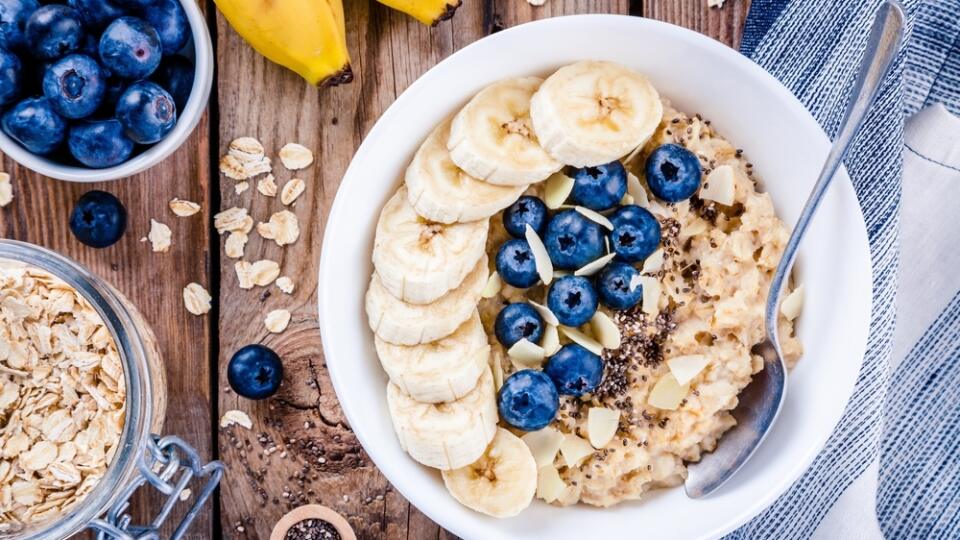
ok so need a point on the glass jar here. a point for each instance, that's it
(167, 464)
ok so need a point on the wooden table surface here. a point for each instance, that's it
(324, 463)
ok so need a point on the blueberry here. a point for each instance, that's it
(97, 14)
(170, 21)
(526, 211)
(13, 21)
(135, 4)
(175, 74)
(53, 31)
(99, 144)
(516, 322)
(147, 112)
(35, 125)
(255, 372)
(573, 240)
(618, 286)
(629, 212)
(574, 370)
(516, 264)
(528, 400)
(11, 77)
(98, 219)
(74, 85)
(673, 173)
(600, 187)
(130, 48)
(573, 300)
(635, 239)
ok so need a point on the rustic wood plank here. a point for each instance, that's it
(724, 24)
(514, 12)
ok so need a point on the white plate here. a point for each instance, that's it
(753, 111)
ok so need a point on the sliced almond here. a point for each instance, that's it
(285, 284)
(234, 416)
(651, 295)
(496, 367)
(545, 313)
(277, 320)
(592, 268)
(606, 331)
(685, 368)
(295, 156)
(698, 226)
(183, 208)
(494, 284)
(527, 353)
(668, 393)
(635, 189)
(719, 185)
(267, 186)
(196, 299)
(550, 341)
(602, 424)
(626, 200)
(544, 445)
(594, 216)
(653, 263)
(793, 304)
(540, 256)
(574, 450)
(291, 190)
(557, 189)
(549, 484)
(582, 339)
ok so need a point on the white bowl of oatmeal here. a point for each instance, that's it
(785, 148)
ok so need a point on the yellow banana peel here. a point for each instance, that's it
(428, 12)
(306, 36)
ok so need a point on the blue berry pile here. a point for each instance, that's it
(92, 82)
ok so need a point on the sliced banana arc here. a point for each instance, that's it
(403, 323)
(590, 113)
(420, 260)
(443, 370)
(501, 483)
(445, 435)
(440, 191)
(492, 137)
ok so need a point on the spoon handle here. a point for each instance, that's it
(882, 47)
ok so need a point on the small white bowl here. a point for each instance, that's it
(187, 119)
(748, 106)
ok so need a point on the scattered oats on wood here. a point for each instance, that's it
(245, 159)
(291, 190)
(6, 189)
(196, 299)
(295, 156)
(183, 208)
(283, 228)
(246, 149)
(240, 187)
(267, 186)
(234, 416)
(231, 219)
(285, 284)
(244, 274)
(235, 243)
(185, 494)
(264, 272)
(277, 320)
(159, 236)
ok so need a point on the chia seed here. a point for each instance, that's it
(312, 529)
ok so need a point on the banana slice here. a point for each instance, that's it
(492, 137)
(590, 113)
(403, 323)
(418, 260)
(439, 191)
(445, 435)
(443, 370)
(501, 483)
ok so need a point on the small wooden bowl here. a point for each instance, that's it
(312, 511)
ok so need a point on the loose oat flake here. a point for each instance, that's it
(291, 190)
(283, 228)
(6, 189)
(295, 156)
(231, 219)
(235, 243)
(244, 276)
(245, 159)
(196, 299)
(183, 208)
(277, 320)
(264, 272)
(234, 416)
(267, 186)
(240, 187)
(285, 284)
(159, 236)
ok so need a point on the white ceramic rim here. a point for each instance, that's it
(341, 222)
(186, 120)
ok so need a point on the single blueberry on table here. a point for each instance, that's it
(99, 144)
(147, 112)
(527, 210)
(170, 21)
(130, 48)
(97, 14)
(53, 31)
(11, 77)
(619, 287)
(574, 370)
(13, 22)
(74, 85)
(175, 75)
(516, 264)
(35, 125)
(573, 299)
(518, 321)
(673, 173)
(528, 400)
(255, 372)
(636, 239)
(600, 187)
(98, 219)
(572, 240)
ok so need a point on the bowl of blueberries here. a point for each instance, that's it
(94, 90)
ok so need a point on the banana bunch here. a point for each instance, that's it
(310, 36)
(431, 268)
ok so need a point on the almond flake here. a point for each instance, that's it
(668, 393)
(626, 200)
(527, 353)
(497, 368)
(696, 227)
(235, 243)
(267, 186)
(494, 284)
(550, 341)
(285, 284)
(6, 189)
(234, 416)
(264, 272)
(685, 368)
(231, 219)
(607, 332)
(277, 320)
(244, 274)
(183, 208)
(540, 256)
(557, 190)
(196, 299)
(635, 189)
(602, 424)
(291, 190)
(651, 294)
(792, 304)
(545, 313)
(594, 216)
(653, 263)
(574, 450)
(582, 339)
(719, 185)
(549, 484)
(240, 187)
(159, 236)
(282, 228)
(295, 156)
(592, 268)
(544, 445)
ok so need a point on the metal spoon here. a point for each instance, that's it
(761, 400)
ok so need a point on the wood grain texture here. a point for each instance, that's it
(725, 24)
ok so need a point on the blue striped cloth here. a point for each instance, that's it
(909, 419)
